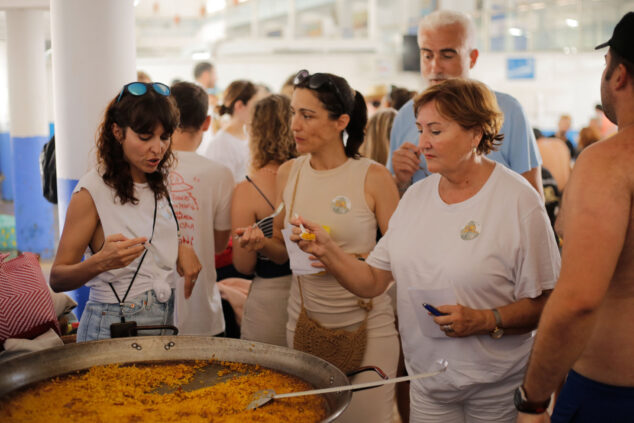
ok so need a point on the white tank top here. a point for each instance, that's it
(117, 218)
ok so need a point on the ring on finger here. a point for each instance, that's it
(447, 328)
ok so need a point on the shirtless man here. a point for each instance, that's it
(588, 323)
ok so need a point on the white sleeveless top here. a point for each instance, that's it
(117, 218)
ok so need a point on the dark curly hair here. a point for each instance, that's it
(271, 138)
(470, 104)
(142, 114)
(353, 104)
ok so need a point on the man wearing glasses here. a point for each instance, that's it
(446, 41)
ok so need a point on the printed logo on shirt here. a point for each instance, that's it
(341, 204)
(165, 211)
(185, 205)
(177, 182)
(470, 231)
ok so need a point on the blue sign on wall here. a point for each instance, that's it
(520, 68)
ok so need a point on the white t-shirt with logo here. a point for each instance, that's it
(489, 251)
(201, 191)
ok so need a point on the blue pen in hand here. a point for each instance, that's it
(433, 310)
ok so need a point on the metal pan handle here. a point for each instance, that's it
(159, 327)
(375, 369)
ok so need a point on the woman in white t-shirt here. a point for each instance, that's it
(116, 209)
(473, 240)
(230, 145)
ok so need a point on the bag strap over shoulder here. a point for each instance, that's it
(299, 170)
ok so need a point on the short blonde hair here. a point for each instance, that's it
(377, 135)
(470, 104)
(271, 138)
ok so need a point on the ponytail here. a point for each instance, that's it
(339, 98)
(239, 90)
(222, 110)
(356, 126)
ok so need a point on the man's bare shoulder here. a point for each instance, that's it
(612, 157)
(601, 176)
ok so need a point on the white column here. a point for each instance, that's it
(255, 19)
(291, 17)
(373, 25)
(94, 55)
(35, 222)
(6, 162)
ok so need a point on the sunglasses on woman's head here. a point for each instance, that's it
(318, 80)
(140, 88)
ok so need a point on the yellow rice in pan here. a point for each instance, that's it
(116, 393)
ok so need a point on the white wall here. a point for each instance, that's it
(4, 88)
(562, 84)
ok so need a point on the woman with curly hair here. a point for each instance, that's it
(118, 208)
(271, 143)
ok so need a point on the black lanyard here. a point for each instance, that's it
(121, 301)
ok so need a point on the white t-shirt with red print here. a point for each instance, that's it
(201, 191)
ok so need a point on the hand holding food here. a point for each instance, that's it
(251, 238)
(406, 162)
(119, 251)
(311, 237)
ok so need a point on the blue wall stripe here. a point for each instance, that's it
(34, 216)
(65, 189)
(6, 166)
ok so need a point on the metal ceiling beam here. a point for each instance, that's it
(25, 4)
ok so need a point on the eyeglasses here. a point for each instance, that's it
(140, 88)
(318, 80)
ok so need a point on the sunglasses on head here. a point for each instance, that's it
(317, 81)
(140, 88)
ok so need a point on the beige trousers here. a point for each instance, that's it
(264, 317)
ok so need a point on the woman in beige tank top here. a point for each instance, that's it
(331, 184)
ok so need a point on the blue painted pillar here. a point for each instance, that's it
(6, 161)
(88, 71)
(34, 216)
(6, 166)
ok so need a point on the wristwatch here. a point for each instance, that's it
(498, 331)
(523, 405)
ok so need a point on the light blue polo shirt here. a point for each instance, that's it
(518, 151)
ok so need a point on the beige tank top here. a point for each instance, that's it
(336, 198)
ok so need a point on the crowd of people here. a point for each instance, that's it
(422, 233)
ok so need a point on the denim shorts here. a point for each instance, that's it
(143, 309)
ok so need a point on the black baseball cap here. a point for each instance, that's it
(622, 40)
